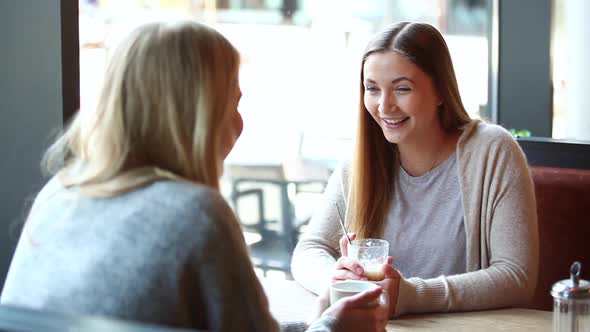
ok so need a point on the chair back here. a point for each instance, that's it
(563, 197)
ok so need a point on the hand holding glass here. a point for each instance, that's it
(372, 255)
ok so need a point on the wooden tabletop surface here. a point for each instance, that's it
(288, 302)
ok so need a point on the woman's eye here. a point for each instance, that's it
(402, 89)
(370, 88)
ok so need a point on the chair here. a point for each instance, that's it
(18, 319)
(271, 252)
(277, 237)
(563, 197)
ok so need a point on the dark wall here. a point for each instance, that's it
(520, 89)
(31, 106)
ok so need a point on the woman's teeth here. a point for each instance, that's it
(393, 121)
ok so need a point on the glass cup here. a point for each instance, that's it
(372, 255)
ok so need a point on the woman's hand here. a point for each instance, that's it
(322, 303)
(347, 268)
(350, 269)
(391, 285)
(355, 313)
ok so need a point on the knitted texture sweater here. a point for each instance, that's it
(170, 253)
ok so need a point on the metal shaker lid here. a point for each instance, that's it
(574, 287)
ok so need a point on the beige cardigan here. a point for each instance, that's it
(500, 225)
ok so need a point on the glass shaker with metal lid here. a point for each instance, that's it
(571, 302)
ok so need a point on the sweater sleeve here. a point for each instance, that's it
(316, 253)
(324, 324)
(502, 240)
(234, 297)
(231, 296)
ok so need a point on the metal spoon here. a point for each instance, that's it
(342, 224)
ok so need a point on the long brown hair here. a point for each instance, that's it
(373, 165)
(161, 113)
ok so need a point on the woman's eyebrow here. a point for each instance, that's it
(399, 79)
(402, 78)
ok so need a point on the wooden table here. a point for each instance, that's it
(289, 301)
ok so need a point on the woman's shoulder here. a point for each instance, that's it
(341, 172)
(486, 138)
(185, 188)
(181, 207)
(482, 132)
(487, 141)
(185, 195)
(51, 187)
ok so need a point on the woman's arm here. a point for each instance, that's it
(234, 298)
(231, 296)
(316, 253)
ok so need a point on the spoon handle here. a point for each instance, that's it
(342, 224)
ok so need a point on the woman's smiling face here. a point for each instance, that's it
(400, 97)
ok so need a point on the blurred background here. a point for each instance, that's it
(300, 59)
(299, 78)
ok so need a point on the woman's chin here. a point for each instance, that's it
(394, 138)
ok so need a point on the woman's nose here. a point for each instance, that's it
(386, 103)
(238, 123)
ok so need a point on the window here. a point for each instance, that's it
(540, 88)
(570, 70)
(301, 59)
(299, 79)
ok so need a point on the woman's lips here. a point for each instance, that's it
(394, 123)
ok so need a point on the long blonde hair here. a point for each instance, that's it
(373, 165)
(160, 115)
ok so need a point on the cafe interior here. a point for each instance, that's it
(520, 64)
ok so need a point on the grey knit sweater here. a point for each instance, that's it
(171, 253)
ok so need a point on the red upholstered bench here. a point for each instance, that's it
(563, 205)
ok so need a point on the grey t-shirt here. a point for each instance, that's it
(425, 229)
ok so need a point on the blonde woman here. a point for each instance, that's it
(132, 225)
(452, 195)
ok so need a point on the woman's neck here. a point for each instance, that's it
(421, 157)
